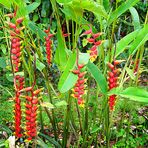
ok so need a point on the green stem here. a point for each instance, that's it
(66, 122)
(79, 117)
(107, 123)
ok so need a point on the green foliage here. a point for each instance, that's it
(61, 55)
(33, 6)
(135, 17)
(140, 39)
(98, 76)
(132, 93)
(68, 79)
(120, 10)
(135, 94)
(37, 30)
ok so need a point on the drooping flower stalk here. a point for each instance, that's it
(112, 81)
(16, 43)
(19, 81)
(31, 112)
(79, 89)
(48, 46)
(92, 40)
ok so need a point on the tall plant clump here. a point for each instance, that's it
(90, 82)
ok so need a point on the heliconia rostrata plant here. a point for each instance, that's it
(32, 100)
(90, 74)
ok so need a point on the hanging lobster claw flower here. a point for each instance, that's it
(97, 35)
(36, 92)
(86, 32)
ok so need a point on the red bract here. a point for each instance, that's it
(90, 40)
(79, 91)
(87, 32)
(97, 35)
(20, 20)
(11, 15)
(11, 25)
(48, 46)
(65, 34)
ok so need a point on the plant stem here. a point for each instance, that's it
(107, 123)
(66, 122)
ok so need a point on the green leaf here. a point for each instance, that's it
(106, 4)
(130, 73)
(6, 129)
(95, 128)
(35, 17)
(3, 62)
(41, 143)
(68, 79)
(30, 8)
(84, 42)
(98, 76)
(115, 91)
(84, 58)
(73, 11)
(64, 1)
(51, 140)
(135, 17)
(3, 48)
(124, 42)
(135, 94)
(40, 66)
(6, 3)
(61, 103)
(9, 77)
(70, 14)
(120, 10)
(60, 54)
(2, 143)
(35, 29)
(141, 38)
(93, 7)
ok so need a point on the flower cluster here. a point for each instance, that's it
(79, 89)
(31, 112)
(48, 46)
(17, 109)
(93, 40)
(112, 81)
(16, 42)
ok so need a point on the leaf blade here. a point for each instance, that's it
(121, 9)
(98, 76)
(68, 79)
